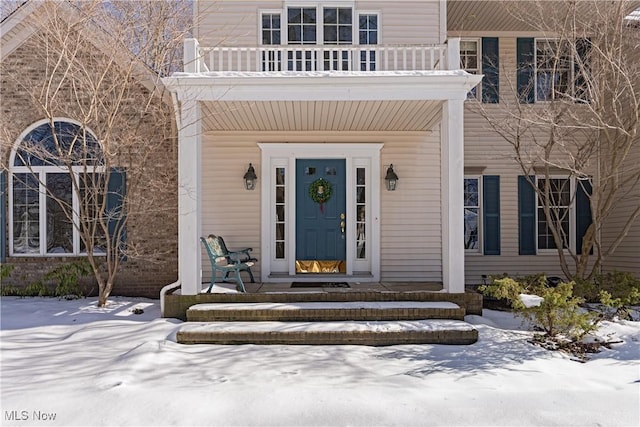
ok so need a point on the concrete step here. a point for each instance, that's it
(176, 305)
(325, 311)
(375, 333)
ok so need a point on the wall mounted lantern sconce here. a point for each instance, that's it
(391, 179)
(250, 178)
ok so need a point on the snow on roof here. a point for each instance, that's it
(318, 74)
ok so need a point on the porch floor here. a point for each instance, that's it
(353, 287)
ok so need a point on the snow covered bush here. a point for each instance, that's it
(556, 312)
(617, 292)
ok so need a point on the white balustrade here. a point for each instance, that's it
(317, 58)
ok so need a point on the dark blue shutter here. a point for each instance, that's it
(526, 62)
(116, 193)
(526, 217)
(583, 212)
(3, 216)
(582, 69)
(491, 214)
(491, 70)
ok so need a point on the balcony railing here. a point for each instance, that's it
(310, 58)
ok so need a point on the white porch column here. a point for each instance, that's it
(452, 171)
(189, 190)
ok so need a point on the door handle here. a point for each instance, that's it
(342, 225)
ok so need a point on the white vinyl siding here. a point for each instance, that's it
(627, 255)
(228, 209)
(410, 232)
(411, 235)
(237, 22)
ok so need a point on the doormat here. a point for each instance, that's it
(320, 285)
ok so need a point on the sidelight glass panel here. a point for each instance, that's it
(471, 213)
(361, 214)
(280, 223)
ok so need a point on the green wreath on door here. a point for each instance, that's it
(320, 192)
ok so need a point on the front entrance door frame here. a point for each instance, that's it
(284, 155)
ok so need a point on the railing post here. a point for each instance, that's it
(190, 56)
(453, 53)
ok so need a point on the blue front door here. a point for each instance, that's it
(320, 225)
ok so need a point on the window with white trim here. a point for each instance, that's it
(337, 29)
(559, 203)
(361, 213)
(472, 213)
(319, 25)
(281, 208)
(554, 69)
(470, 61)
(44, 207)
(368, 35)
(271, 35)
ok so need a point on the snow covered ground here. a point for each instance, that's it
(68, 363)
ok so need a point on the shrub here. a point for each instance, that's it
(65, 278)
(617, 291)
(559, 311)
(5, 270)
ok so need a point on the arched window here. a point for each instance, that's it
(55, 181)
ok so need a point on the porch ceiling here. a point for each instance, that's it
(407, 115)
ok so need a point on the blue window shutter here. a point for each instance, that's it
(3, 216)
(583, 212)
(491, 214)
(491, 70)
(526, 217)
(116, 193)
(526, 63)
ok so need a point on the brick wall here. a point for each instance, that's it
(152, 227)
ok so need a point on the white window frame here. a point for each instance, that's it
(571, 213)
(319, 6)
(263, 12)
(285, 24)
(477, 70)
(41, 174)
(570, 81)
(378, 16)
(479, 249)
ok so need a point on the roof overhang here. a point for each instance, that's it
(323, 86)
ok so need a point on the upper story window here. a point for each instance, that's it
(323, 25)
(329, 25)
(338, 25)
(301, 25)
(550, 69)
(368, 28)
(554, 69)
(271, 28)
(470, 62)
